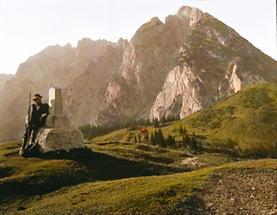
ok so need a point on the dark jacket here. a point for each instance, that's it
(37, 118)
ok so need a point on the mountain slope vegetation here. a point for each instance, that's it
(244, 124)
(248, 120)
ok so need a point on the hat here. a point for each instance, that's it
(36, 96)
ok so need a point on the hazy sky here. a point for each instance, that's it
(27, 26)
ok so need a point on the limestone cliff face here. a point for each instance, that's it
(232, 79)
(149, 56)
(179, 96)
(236, 78)
(214, 62)
(84, 95)
(190, 15)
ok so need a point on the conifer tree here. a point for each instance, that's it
(160, 138)
(170, 140)
(185, 140)
(152, 139)
(156, 123)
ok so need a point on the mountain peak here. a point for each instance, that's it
(156, 20)
(187, 10)
(191, 13)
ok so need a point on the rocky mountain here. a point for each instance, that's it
(175, 68)
(214, 62)
(148, 58)
(54, 66)
(169, 68)
(84, 95)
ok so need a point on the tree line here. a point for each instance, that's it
(90, 130)
(156, 138)
(190, 142)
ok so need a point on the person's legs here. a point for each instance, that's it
(26, 137)
(34, 134)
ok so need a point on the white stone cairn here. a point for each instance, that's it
(55, 101)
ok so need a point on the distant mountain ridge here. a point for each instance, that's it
(53, 66)
(168, 69)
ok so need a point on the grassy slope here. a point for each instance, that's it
(93, 182)
(146, 195)
(143, 152)
(21, 178)
(245, 123)
(169, 158)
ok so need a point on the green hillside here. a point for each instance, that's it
(244, 124)
(97, 183)
(21, 177)
(246, 121)
(172, 194)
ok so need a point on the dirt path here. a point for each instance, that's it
(241, 192)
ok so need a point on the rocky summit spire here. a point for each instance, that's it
(192, 14)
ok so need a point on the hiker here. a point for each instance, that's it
(35, 119)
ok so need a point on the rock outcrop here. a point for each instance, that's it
(236, 78)
(84, 95)
(179, 96)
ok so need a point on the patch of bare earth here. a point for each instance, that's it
(242, 192)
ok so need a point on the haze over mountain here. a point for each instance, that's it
(3, 80)
(168, 69)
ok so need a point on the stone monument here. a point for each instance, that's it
(58, 134)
